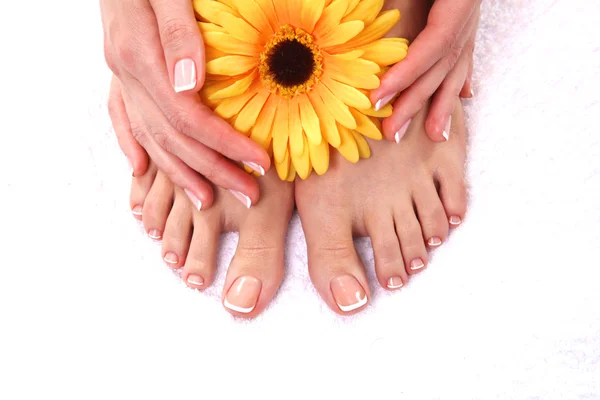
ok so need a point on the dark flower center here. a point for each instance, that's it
(291, 63)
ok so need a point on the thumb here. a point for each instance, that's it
(182, 43)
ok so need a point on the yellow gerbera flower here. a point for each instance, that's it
(294, 75)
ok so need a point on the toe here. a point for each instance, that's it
(157, 206)
(410, 237)
(453, 194)
(178, 231)
(431, 213)
(334, 266)
(200, 262)
(389, 264)
(140, 186)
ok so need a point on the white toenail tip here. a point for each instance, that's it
(455, 221)
(417, 267)
(237, 308)
(352, 307)
(394, 286)
(193, 282)
(136, 213)
(154, 237)
(170, 262)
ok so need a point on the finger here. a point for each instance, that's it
(136, 155)
(195, 187)
(212, 165)
(446, 21)
(467, 90)
(144, 59)
(444, 100)
(182, 43)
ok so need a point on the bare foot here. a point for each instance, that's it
(405, 198)
(190, 237)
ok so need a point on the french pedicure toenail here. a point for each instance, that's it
(195, 280)
(416, 264)
(195, 200)
(254, 167)
(185, 75)
(243, 294)
(155, 234)
(384, 101)
(434, 241)
(394, 283)
(348, 293)
(402, 131)
(455, 220)
(242, 197)
(446, 133)
(171, 258)
(137, 211)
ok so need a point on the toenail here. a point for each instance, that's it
(255, 167)
(348, 293)
(455, 220)
(243, 294)
(195, 280)
(137, 211)
(416, 264)
(242, 197)
(394, 282)
(434, 241)
(171, 258)
(155, 234)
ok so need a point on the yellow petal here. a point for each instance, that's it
(261, 131)
(206, 27)
(301, 162)
(238, 86)
(327, 122)
(269, 10)
(228, 44)
(208, 10)
(239, 29)
(357, 66)
(351, 6)
(310, 121)
(382, 25)
(341, 34)
(210, 53)
(283, 167)
(366, 126)
(281, 132)
(366, 11)
(386, 51)
(335, 106)
(231, 65)
(364, 151)
(385, 112)
(348, 148)
(319, 156)
(252, 13)
(349, 95)
(351, 55)
(332, 15)
(295, 12)
(291, 174)
(233, 105)
(296, 142)
(281, 9)
(310, 14)
(249, 114)
(356, 80)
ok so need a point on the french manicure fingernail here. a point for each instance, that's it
(402, 131)
(254, 167)
(472, 93)
(434, 241)
(242, 197)
(243, 294)
(416, 264)
(455, 220)
(195, 200)
(171, 258)
(130, 165)
(348, 293)
(384, 101)
(394, 282)
(185, 75)
(446, 133)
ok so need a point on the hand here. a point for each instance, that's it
(155, 49)
(439, 61)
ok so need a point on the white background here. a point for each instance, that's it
(509, 308)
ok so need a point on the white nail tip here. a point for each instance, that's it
(446, 133)
(193, 282)
(242, 197)
(352, 307)
(384, 101)
(136, 213)
(154, 237)
(170, 262)
(434, 243)
(454, 221)
(397, 137)
(237, 308)
(417, 267)
(394, 286)
(185, 75)
(255, 167)
(195, 201)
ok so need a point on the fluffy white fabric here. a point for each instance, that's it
(509, 307)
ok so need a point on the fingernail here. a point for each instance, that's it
(394, 282)
(383, 102)
(472, 93)
(137, 211)
(130, 165)
(348, 293)
(434, 241)
(155, 234)
(446, 133)
(185, 75)
(243, 294)
(171, 258)
(195, 201)
(455, 220)
(416, 264)
(254, 167)
(242, 197)
(195, 280)
(402, 131)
